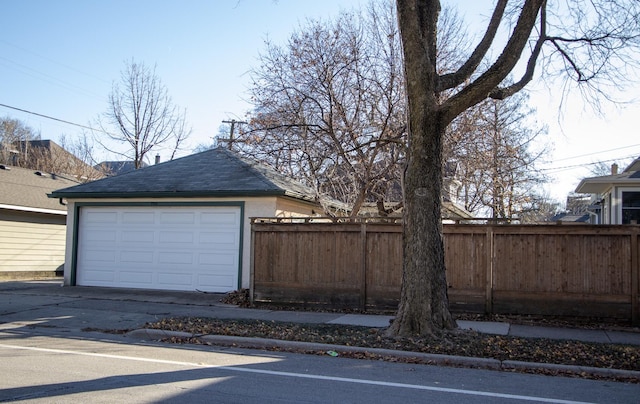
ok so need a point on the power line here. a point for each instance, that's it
(598, 152)
(50, 79)
(53, 61)
(586, 164)
(56, 119)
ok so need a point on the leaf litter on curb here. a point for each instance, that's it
(456, 342)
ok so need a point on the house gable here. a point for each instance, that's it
(614, 196)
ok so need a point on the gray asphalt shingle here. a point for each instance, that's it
(25, 188)
(216, 172)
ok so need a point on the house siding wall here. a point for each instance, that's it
(31, 244)
(612, 209)
(253, 207)
(293, 208)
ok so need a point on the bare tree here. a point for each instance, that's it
(141, 115)
(13, 131)
(329, 107)
(21, 146)
(497, 157)
(588, 41)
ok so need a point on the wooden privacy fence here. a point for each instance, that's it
(528, 269)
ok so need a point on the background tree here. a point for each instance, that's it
(588, 41)
(13, 131)
(21, 146)
(141, 115)
(329, 107)
(497, 158)
(353, 64)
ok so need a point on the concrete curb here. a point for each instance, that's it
(431, 359)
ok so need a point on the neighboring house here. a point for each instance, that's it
(111, 168)
(48, 156)
(452, 211)
(179, 225)
(32, 226)
(571, 218)
(615, 198)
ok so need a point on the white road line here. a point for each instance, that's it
(300, 375)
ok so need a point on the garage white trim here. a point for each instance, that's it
(159, 247)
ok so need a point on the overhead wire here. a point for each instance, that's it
(582, 165)
(57, 119)
(52, 61)
(28, 71)
(598, 152)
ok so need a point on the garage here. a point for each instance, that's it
(180, 225)
(159, 247)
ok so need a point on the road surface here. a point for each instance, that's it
(92, 367)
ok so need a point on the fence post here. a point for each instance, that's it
(635, 278)
(252, 264)
(488, 294)
(363, 266)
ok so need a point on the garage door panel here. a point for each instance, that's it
(176, 248)
(213, 280)
(99, 256)
(172, 237)
(138, 217)
(138, 236)
(175, 280)
(101, 236)
(219, 238)
(101, 217)
(138, 257)
(175, 258)
(220, 219)
(138, 278)
(216, 260)
(100, 278)
(177, 218)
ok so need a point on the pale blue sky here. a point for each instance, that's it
(59, 58)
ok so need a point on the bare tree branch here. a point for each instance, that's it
(465, 71)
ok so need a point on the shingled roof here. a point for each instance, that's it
(214, 173)
(25, 189)
(630, 177)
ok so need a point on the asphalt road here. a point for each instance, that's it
(51, 352)
(90, 368)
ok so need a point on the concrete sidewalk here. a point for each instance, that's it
(108, 308)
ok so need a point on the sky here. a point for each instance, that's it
(60, 59)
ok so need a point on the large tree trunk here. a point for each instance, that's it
(424, 306)
(434, 101)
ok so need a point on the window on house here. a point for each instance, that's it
(630, 207)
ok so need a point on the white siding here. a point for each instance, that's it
(31, 242)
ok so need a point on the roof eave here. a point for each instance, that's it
(33, 209)
(164, 194)
(599, 186)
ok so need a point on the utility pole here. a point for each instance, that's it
(230, 140)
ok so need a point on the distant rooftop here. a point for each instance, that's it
(111, 168)
(25, 189)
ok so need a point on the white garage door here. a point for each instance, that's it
(173, 248)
